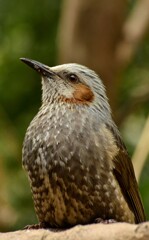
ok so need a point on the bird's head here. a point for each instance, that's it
(71, 84)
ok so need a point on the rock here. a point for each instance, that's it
(114, 231)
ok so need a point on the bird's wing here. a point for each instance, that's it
(124, 173)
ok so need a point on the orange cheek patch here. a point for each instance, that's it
(82, 95)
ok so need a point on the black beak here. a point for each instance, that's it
(39, 67)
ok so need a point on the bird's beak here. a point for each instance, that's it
(39, 67)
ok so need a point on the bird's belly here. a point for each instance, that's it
(65, 203)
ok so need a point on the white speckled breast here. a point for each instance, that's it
(70, 168)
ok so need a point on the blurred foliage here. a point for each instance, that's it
(135, 87)
(28, 29)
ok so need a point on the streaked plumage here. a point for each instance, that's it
(78, 166)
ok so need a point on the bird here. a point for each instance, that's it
(78, 167)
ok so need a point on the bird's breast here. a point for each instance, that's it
(69, 141)
(70, 167)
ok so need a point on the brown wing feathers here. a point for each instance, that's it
(124, 173)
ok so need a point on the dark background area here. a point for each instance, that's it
(105, 37)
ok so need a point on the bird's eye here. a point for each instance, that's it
(73, 78)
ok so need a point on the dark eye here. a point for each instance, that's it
(73, 78)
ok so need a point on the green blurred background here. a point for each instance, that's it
(35, 30)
